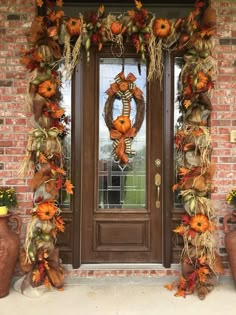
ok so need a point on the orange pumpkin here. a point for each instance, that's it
(161, 28)
(122, 124)
(47, 88)
(74, 26)
(46, 210)
(201, 81)
(116, 27)
(199, 223)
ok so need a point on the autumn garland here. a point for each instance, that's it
(200, 263)
(57, 39)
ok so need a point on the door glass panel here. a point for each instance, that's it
(178, 65)
(120, 186)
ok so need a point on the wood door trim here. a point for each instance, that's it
(168, 158)
(77, 162)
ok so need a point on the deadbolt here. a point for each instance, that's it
(158, 162)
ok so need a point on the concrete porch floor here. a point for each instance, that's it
(121, 296)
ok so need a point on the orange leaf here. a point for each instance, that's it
(187, 103)
(183, 171)
(180, 230)
(60, 171)
(131, 13)
(138, 4)
(36, 276)
(58, 113)
(169, 286)
(175, 187)
(202, 260)
(202, 274)
(59, 3)
(60, 224)
(39, 3)
(69, 187)
(99, 46)
(101, 9)
(197, 132)
(181, 293)
(47, 283)
(42, 158)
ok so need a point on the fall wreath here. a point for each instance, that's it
(121, 130)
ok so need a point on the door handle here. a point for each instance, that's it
(158, 184)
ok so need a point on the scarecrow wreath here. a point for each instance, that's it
(57, 39)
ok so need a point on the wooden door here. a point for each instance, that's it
(119, 219)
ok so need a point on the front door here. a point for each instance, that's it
(120, 205)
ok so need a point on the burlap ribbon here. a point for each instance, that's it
(122, 144)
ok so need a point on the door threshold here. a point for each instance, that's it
(125, 266)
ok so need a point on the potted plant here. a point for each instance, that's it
(230, 234)
(10, 241)
(8, 199)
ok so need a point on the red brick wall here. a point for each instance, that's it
(224, 114)
(15, 20)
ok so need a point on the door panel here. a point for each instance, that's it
(120, 220)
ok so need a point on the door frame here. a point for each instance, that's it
(78, 93)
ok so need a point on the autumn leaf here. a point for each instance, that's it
(38, 57)
(60, 224)
(101, 9)
(47, 283)
(36, 276)
(25, 60)
(59, 3)
(138, 4)
(187, 103)
(180, 230)
(99, 46)
(169, 286)
(69, 187)
(207, 32)
(60, 171)
(202, 260)
(181, 293)
(58, 113)
(192, 233)
(45, 254)
(202, 273)
(175, 187)
(191, 282)
(197, 133)
(131, 13)
(39, 3)
(42, 158)
(183, 171)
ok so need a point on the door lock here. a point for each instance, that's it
(158, 162)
